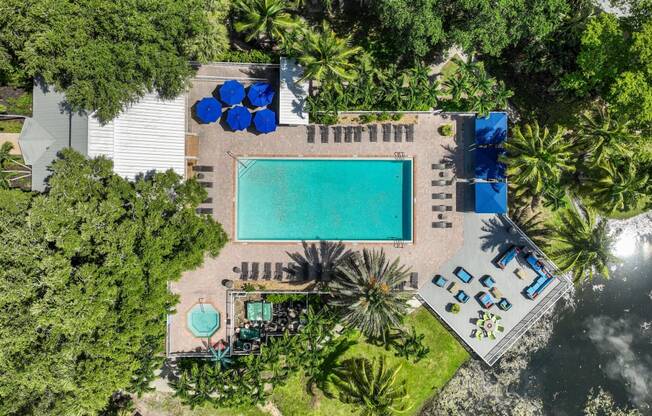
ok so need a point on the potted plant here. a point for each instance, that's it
(455, 308)
(446, 129)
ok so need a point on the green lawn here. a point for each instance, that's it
(423, 378)
(11, 126)
(167, 405)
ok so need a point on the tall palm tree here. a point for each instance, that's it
(584, 244)
(619, 187)
(365, 290)
(268, 18)
(373, 386)
(327, 58)
(600, 134)
(532, 224)
(536, 158)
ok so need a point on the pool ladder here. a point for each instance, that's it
(399, 155)
(399, 244)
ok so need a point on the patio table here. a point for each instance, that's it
(496, 293)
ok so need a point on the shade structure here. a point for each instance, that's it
(260, 94)
(487, 165)
(208, 110)
(491, 129)
(265, 120)
(232, 92)
(491, 197)
(238, 118)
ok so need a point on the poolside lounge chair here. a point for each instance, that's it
(398, 133)
(439, 166)
(454, 287)
(441, 182)
(463, 275)
(442, 208)
(337, 133)
(373, 133)
(290, 271)
(485, 300)
(414, 280)
(202, 168)
(278, 271)
(348, 134)
(409, 132)
(387, 132)
(244, 270)
(208, 200)
(357, 134)
(255, 268)
(204, 210)
(488, 281)
(206, 184)
(442, 224)
(462, 297)
(440, 280)
(267, 271)
(323, 133)
(442, 195)
(311, 132)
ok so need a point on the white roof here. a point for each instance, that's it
(149, 135)
(293, 94)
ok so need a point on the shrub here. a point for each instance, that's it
(384, 116)
(368, 118)
(283, 297)
(446, 130)
(255, 56)
(397, 116)
(3, 109)
(248, 287)
(325, 118)
(455, 308)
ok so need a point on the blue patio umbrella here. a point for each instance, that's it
(238, 118)
(232, 92)
(265, 121)
(208, 110)
(260, 94)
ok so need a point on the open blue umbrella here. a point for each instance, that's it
(265, 121)
(238, 118)
(208, 110)
(260, 94)
(232, 92)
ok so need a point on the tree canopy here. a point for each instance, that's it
(84, 269)
(104, 54)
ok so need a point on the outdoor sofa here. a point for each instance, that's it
(544, 278)
(506, 258)
(463, 275)
(462, 297)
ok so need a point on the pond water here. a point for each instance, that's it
(606, 340)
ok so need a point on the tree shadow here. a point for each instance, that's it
(318, 262)
(498, 234)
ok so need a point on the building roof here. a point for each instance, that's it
(491, 129)
(149, 135)
(491, 197)
(51, 128)
(293, 94)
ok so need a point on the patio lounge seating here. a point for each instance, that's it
(409, 132)
(414, 280)
(440, 280)
(462, 297)
(255, 268)
(488, 281)
(398, 133)
(311, 133)
(348, 134)
(441, 182)
(244, 270)
(485, 300)
(357, 134)
(504, 304)
(442, 195)
(278, 271)
(267, 271)
(463, 275)
(442, 208)
(323, 134)
(508, 257)
(387, 132)
(373, 133)
(337, 133)
(442, 224)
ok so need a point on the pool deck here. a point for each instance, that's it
(472, 242)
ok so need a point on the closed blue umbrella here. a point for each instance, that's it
(238, 118)
(232, 92)
(208, 110)
(265, 121)
(260, 94)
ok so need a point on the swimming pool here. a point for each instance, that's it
(324, 199)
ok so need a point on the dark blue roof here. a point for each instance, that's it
(260, 94)
(265, 120)
(208, 110)
(238, 118)
(491, 129)
(232, 92)
(487, 165)
(491, 197)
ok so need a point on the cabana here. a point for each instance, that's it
(487, 166)
(232, 92)
(491, 130)
(491, 198)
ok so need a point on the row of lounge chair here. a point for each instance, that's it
(354, 134)
(280, 271)
(444, 179)
(200, 172)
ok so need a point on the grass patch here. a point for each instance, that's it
(11, 126)
(449, 68)
(20, 105)
(424, 378)
(168, 405)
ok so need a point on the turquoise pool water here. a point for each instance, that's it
(203, 320)
(324, 199)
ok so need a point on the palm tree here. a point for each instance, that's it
(536, 158)
(326, 58)
(584, 244)
(373, 387)
(599, 135)
(619, 187)
(264, 17)
(531, 223)
(365, 289)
